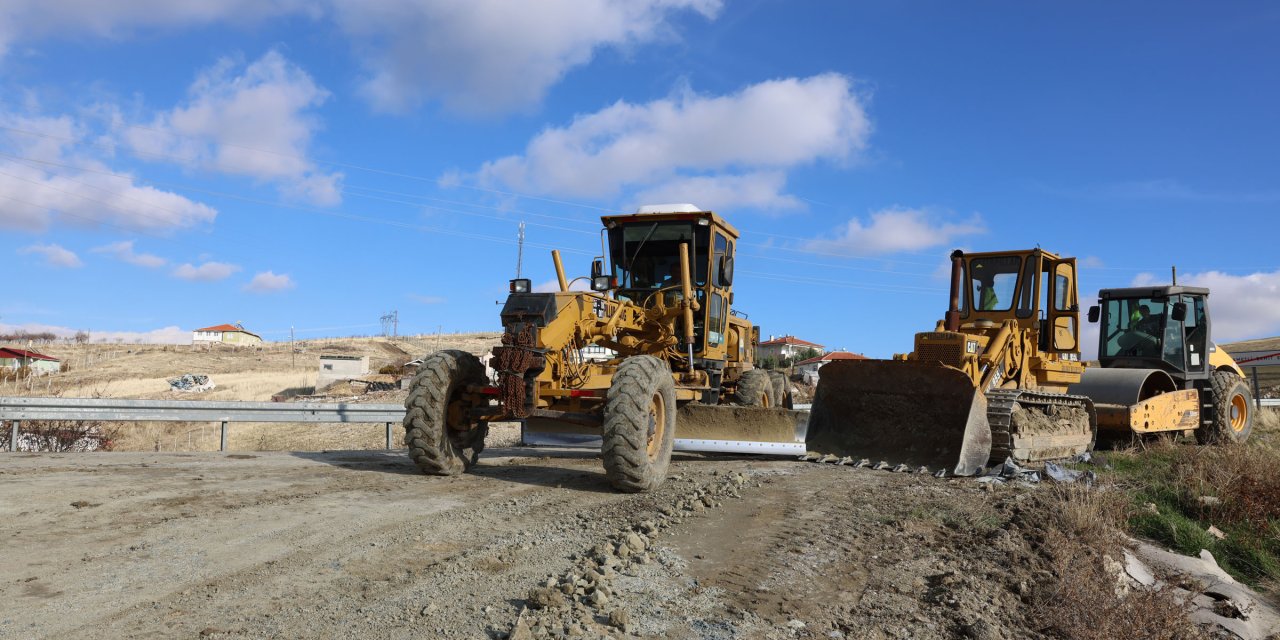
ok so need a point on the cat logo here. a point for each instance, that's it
(971, 346)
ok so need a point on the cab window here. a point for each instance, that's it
(994, 282)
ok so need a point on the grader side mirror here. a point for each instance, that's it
(1093, 313)
(1179, 312)
(597, 268)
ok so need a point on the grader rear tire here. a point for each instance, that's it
(755, 389)
(435, 445)
(781, 389)
(639, 424)
(1232, 410)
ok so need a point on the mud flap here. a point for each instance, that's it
(920, 415)
(703, 428)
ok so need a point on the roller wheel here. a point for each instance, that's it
(755, 389)
(1232, 410)
(639, 424)
(441, 440)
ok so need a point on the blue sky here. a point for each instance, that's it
(171, 165)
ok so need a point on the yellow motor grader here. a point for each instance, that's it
(989, 383)
(644, 360)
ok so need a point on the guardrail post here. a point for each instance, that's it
(223, 445)
(389, 447)
(13, 435)
(1257, 393)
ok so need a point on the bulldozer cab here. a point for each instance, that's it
(1035, 288)
(1155, 328)
(644, 252)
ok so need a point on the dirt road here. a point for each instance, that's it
(347, 544)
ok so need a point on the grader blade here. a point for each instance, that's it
(899, 413)
(731, 429)
(699, 427)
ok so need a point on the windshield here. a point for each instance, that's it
(1136, 327)
(647, 256)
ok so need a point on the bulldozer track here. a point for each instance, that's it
(1025, 446)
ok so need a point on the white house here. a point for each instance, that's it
(785, 347)
(809, 368)
(225, 333)
(36, 362)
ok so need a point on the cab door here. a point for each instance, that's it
(1063, 308)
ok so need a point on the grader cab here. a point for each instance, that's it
(653, 350)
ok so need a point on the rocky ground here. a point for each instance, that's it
(532, 544)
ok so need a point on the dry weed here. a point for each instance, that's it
(1090, 601)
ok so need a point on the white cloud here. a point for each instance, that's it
(759, 190)
(54, 255)
(493, 56)
(427, 299)
(257, 122)
(165, 335)
(269, 282)
(894, 230)
(710, 143)
(1241, 307)
(26, 20)
(124, 252)
(41, 188)
(553, 285)
(206, 272)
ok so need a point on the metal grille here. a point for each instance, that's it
(945, 353)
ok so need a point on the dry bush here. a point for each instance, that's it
(1244, 480)
(1090, 601)
(1267, 420)
(61, 435)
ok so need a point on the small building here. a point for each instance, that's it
(227, 334)
(11, 358)
(597, 353)
(785, 347)
(809, 368)
(335, 367)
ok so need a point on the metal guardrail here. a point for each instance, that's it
(17, 410)
(1270, 402)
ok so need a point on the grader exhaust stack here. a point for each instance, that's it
(986, 384)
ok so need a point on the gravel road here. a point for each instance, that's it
(532, 544)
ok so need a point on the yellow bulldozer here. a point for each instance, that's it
(1160, 370)
(645, 360)
(989, 383)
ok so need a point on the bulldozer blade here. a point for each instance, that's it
(900, 413)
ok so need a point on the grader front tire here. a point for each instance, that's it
(639, 424)
(755, 389)
(435, 445)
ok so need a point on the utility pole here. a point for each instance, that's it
(395, 324)
(439, 329)
(520, 250)
(293, 352)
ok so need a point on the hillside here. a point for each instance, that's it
(1268, 377)
(240, 373)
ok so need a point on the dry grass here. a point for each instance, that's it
(1090, 600)
(1090, 603)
